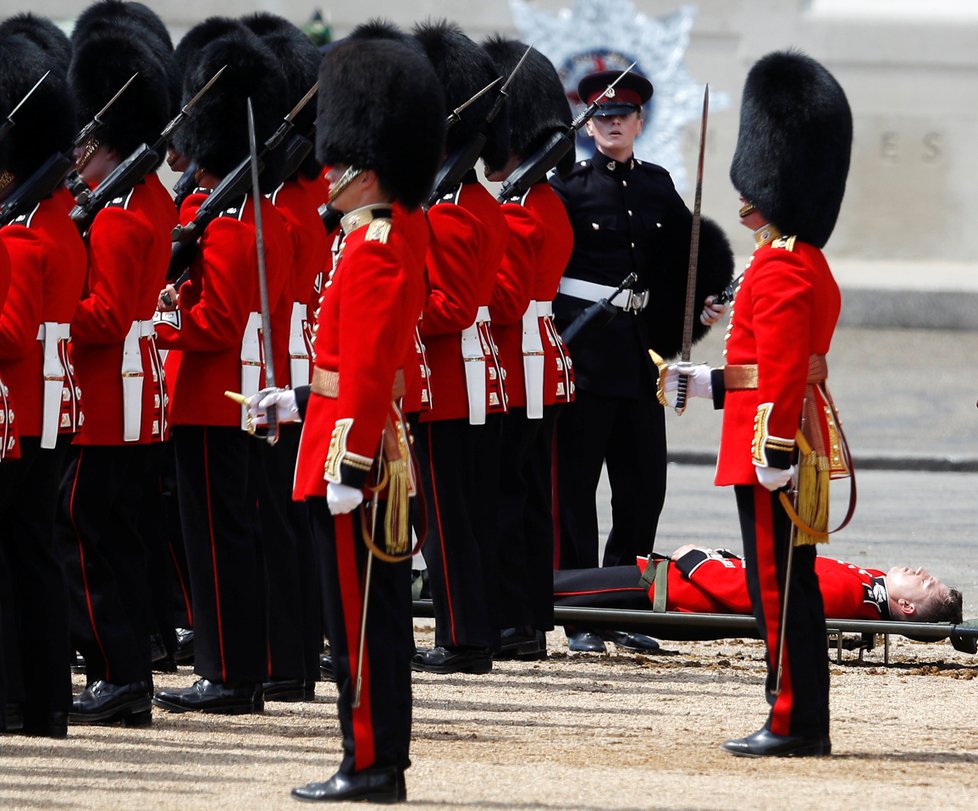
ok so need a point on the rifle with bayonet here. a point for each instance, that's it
(134, 168)
(461, 161)
(458, 164)
(535, 167)
(235, 185)
(55, 170)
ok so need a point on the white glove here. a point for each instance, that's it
(712, 312)
(282, 400)
(341, 498)
(698, 380)
(774, 478)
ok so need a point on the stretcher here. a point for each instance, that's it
(678, 625)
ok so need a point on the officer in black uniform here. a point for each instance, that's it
(627, 217)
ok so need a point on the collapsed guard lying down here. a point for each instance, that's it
(700, 580)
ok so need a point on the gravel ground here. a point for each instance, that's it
(580, 731)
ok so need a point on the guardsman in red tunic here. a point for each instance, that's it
(539, 376)
(381, 129)
(707, 581)
(457, 437)
(47, 263)
(790, 169)
(104, 530)
(215, 329)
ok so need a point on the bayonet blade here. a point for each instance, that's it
(200, 93)
(503, 91)
(37, 84)
(119, 92)
(302, 102)
(456, 114)
(185, 110)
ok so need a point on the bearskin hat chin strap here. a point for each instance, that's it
(348, 177)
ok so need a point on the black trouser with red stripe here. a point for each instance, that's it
(36, 654)
(459, 466)
(377, 733)
(526, 526)
(604, 587)
(295, 630)
(215, 470)
(102, 546)
(802, 706)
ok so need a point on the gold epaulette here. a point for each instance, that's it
(787, 243)
(378, 230)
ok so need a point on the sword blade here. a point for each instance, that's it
(694, 251)
(266, 316)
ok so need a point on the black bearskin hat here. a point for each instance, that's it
(44, 34)
(215, 137)
(102, 63)
(192, 44)
(299, 61)
(110, 14)
(793, 148)
(137, 22)
(464, 68)
(381, 107)
(45, 124)
(379, 28)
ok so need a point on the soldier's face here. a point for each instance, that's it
(615, 135)
(917, 586)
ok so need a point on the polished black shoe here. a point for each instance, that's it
(452, 660)
(765, 743)
(289, 690)
(211, 696)
(524, 644)
(585, 642)
(371, 785)
(637, 642)
(184, 654)
(105, 703)
(45, 725)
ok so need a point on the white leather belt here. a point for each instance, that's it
(475, 370)
(533, 361)
(7, 438)
(251, 363)
(132, 379)
(298, 349)
(52, 336)
(426, 395)
(627, 300)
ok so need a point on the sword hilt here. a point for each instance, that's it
(682, 385)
